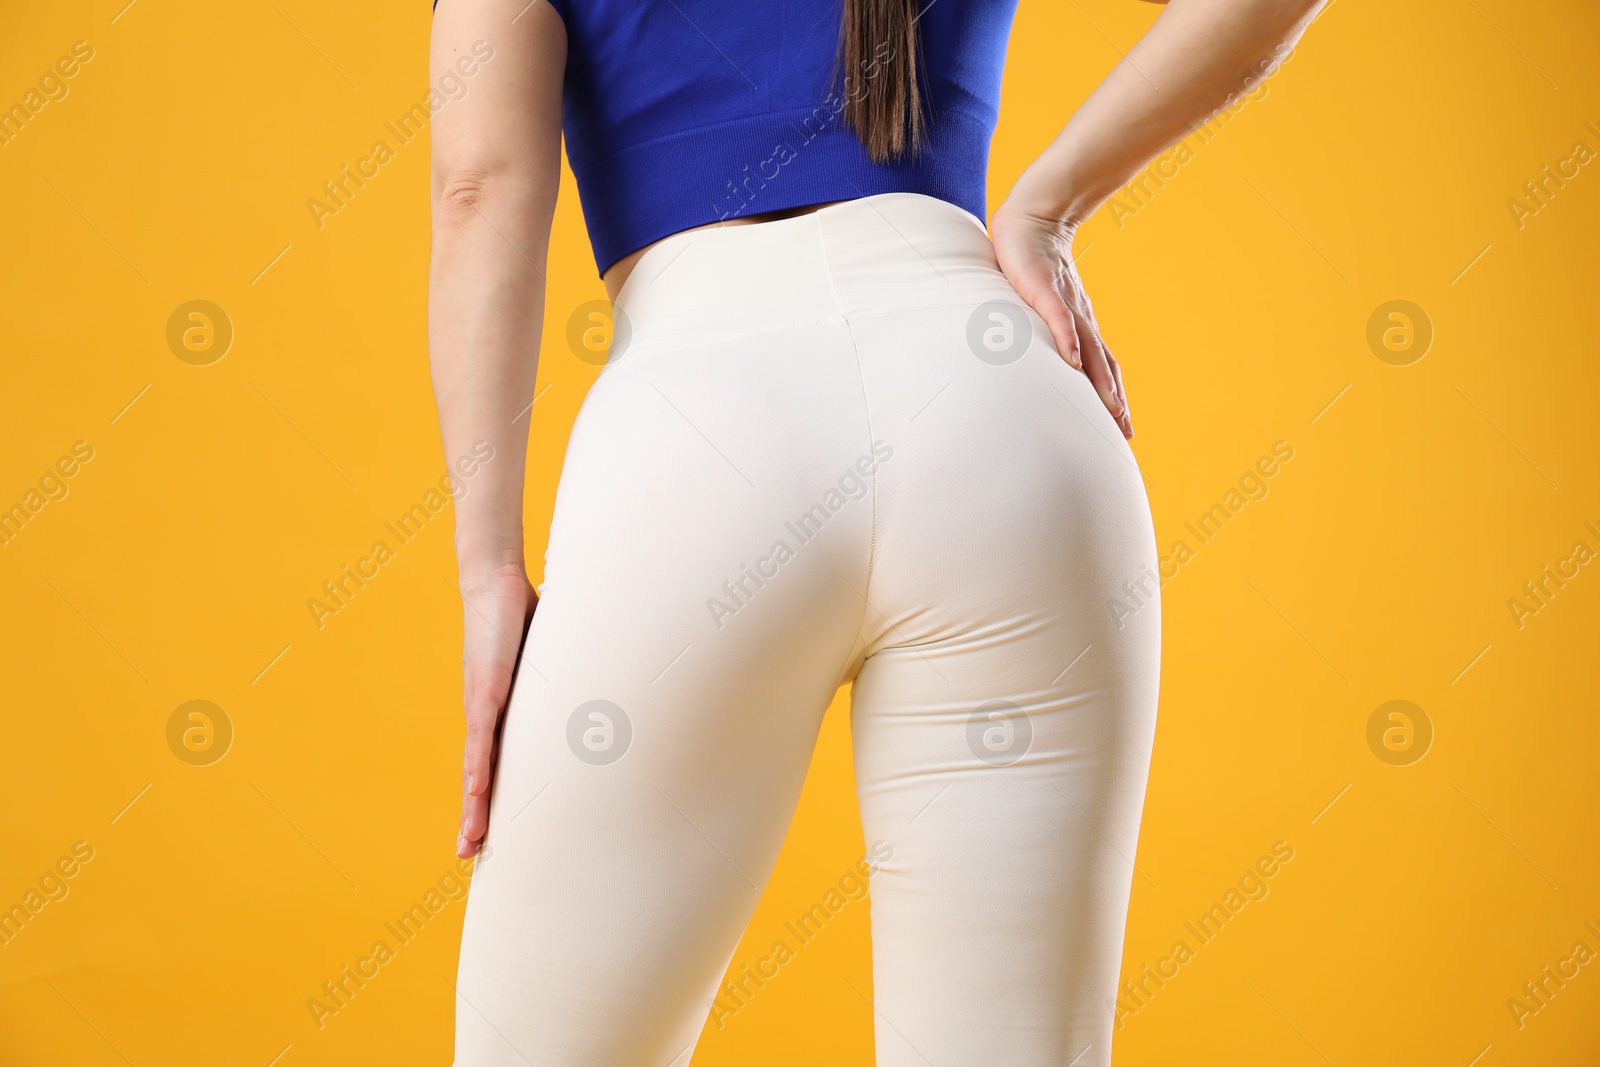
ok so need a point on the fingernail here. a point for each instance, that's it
(472, 782)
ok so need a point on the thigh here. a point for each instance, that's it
(1004, 714)
(667, 702)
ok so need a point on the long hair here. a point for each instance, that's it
(879, 50)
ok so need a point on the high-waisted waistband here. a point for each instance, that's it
(884, 253)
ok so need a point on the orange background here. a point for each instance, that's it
(1376, 165)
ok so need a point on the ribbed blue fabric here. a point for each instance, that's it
(678, 113)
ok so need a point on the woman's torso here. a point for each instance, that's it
(617, 275)
(694, 113)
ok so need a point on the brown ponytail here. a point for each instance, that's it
(878, 49)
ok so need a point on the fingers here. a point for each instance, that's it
(1077, 338)
(1063, 329)
(476, 775)
(474, 811)
(1096, 360)
(1126, 421)
(1097, 365)
(488, 686)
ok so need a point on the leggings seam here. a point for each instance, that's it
(866, 407)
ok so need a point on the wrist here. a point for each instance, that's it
(1051, 190)
(480, 562)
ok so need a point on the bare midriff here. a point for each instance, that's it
(623, 267)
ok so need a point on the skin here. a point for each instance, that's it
(496, 168)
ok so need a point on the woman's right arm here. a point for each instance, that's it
(496, 168)
(1198, 57)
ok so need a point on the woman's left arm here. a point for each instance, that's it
(1198, 56)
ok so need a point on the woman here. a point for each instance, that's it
(841, 437)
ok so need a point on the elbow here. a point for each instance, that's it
(506, 197)
(460, 195)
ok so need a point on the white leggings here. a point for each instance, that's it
(827, 449)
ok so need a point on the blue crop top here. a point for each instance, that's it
(678, 113)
